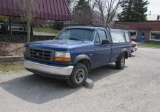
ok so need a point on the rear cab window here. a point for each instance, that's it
(120, 36)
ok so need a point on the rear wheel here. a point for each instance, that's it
(78, 76)
(121, 62)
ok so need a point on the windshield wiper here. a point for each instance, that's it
(75, 39)
(58, 39)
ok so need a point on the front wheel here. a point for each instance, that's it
(78, 76)
(120, 63)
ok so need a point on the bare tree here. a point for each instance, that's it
(83, 16)
(27, 10)
(96, 18)
(101, 7)
(108, 9)
(82, 12)
(92, 7)
(112, 7)
(71, 5)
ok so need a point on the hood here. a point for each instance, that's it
(58, 44)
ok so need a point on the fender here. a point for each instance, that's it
(122, 51)
(81, 57)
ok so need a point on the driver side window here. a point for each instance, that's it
(101, 36)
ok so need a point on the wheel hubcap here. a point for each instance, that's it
(122, 61)
(79, 77)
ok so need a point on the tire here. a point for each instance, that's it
(78, 76)
(121, 62)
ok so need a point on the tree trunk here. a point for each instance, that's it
(28, 31)
(10, 25)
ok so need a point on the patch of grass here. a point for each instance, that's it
(149, 45)
(47, 30)
(12, 66)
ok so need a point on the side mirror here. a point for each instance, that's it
(105, 41)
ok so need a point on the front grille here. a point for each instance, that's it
(39, 54)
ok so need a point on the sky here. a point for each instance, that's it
(154, 7)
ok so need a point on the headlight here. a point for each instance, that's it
(62, 56)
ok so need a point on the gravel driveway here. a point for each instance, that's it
(134, 89)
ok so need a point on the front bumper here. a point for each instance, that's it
(45, 70)
(134, 49)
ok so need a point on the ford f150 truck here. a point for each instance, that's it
(76, 51)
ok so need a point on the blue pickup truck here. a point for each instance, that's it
(76, 51)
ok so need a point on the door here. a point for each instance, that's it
(101, 51)
(142, 36)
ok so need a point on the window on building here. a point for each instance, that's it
(133, 34)
(118, 37)
(155, 35)
(18, 28)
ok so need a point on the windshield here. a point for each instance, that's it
(77, 34)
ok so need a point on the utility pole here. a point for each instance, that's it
(158, 17)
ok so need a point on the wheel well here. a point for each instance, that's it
(126, 54)
(123, 53)
(86, 62)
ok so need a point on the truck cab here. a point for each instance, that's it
(76, 51)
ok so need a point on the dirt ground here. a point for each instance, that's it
(11, 49)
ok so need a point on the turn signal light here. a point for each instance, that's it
(24, 52)
(62, 59)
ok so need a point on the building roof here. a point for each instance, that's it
(152, 17)
(148, 25)
(44, 9)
